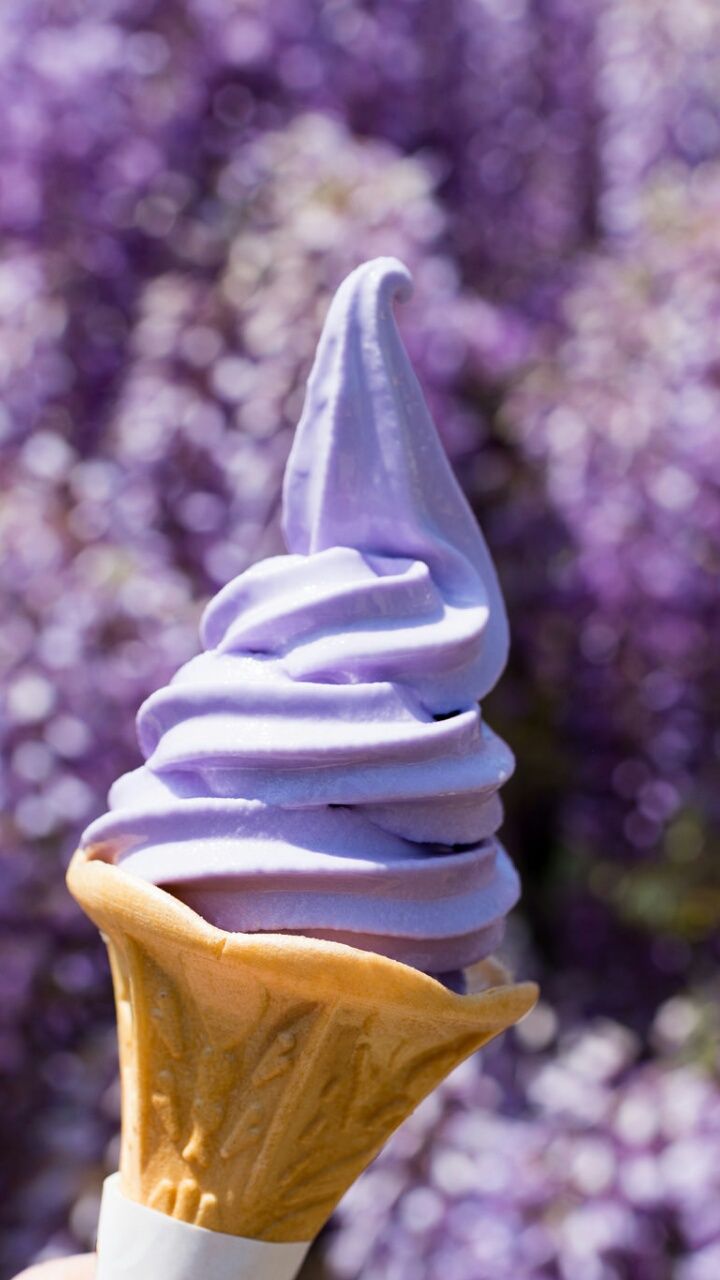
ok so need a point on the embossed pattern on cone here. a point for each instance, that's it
(262, 1072)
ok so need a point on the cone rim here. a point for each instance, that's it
(121, 903)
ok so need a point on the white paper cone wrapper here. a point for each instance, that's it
(137, 1243)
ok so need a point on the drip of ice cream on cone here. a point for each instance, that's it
(323, 767)
(318, 802)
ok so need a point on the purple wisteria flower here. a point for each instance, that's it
(621, 422)
(611, 1168)
(658, 99)
(498, 94)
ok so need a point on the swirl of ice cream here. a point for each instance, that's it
(323, 766)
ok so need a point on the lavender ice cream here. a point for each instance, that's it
(323, 767)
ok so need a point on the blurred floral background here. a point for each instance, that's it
(182, 185)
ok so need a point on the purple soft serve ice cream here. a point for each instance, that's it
(323, 767)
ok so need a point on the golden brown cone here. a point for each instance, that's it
(262, 1072)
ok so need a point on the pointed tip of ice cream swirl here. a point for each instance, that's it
(367, 469)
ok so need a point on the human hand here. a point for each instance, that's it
(81, 1267)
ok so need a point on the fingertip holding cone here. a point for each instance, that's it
(262, 1072)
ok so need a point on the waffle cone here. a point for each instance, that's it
(262, 1072)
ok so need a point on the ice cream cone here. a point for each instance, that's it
(262, 1072)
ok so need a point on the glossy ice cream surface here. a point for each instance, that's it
(323, 767)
